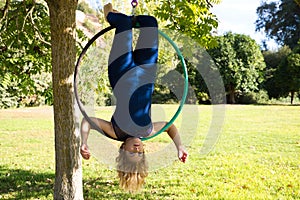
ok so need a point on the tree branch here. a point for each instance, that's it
(209, 4)
(36, 29)
(173, 19)
(5, 10)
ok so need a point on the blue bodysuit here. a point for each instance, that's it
(132, 74)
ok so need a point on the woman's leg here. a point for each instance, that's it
(146, 51)
(121, 57)
(145, 57)
(121, 69)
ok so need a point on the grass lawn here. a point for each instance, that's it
(256, 157)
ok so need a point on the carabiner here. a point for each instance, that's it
(134, 3)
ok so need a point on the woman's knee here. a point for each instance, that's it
(152, 21)
(147, 21)
(119, 20)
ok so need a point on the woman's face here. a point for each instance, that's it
(134, 148)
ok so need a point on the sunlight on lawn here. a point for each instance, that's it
(256, 157)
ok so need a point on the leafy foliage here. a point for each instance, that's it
(283, 75)
(191, 18)
(240, 62)
(272, 82)
(288, 75)
(280, 20)
(85, 7)
(25, 76)
(25, 54)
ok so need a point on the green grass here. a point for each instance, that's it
(256, 157)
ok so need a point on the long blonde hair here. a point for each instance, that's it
(131, 174)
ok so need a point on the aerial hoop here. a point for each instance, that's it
(185, 88)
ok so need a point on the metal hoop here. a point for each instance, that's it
(185, 91)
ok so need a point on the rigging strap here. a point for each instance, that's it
(134, 3)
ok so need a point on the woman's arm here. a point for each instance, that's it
(104, 125)
(85, 130)
(174, 135)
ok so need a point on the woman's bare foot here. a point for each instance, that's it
(106, 9)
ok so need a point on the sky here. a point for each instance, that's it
(239, 16)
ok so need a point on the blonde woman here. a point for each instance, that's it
(131, 75)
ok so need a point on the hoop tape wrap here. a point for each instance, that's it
(185, 89)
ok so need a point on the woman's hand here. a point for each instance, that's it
(182, 154)
(174, 135)
(85, 152)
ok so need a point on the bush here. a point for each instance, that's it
(260, 97)
(85, 7)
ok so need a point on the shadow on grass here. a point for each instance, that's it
(106, 189)
(24, 184)
(273, 104)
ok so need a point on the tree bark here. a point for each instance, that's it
(68, 175)
(292, 96)
(231, 99)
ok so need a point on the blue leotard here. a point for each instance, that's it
(132, 74)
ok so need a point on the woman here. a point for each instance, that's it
(132, 76)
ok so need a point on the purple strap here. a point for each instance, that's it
(134, 3)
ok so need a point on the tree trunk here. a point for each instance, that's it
(68, 175)
(292, 96)
(231, 99)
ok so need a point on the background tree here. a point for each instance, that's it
(272, 81)
(280, 20)
(85, 7)
(240, 62)
(25, 77)
(193, 18)
(288, 75)
(68, 173)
